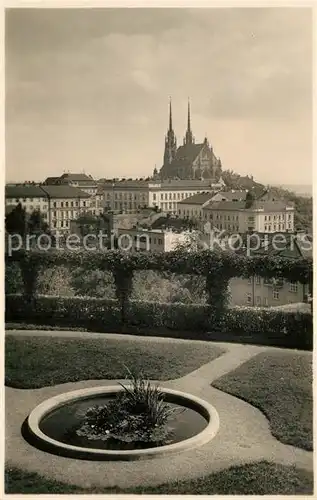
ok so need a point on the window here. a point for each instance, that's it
(258, 300)
(54, 204)
(161, 196)
(266, 302)
(54, 214)
(265, 228)
(154, 196)
(170, 196)
(249, 298)
(66, 204)
(62, 204)
(84, 203)
(165, 196)
(258, 280)
(265, 218)
(276, 294)
(160, 241)
(293, 286)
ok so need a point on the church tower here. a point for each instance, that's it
(189, 138)
(170, 140)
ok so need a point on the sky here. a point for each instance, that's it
(88, 89)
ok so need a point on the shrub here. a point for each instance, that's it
(256, 325)
(83, 312)
(93, 283)
(13, 278)
(55, 280)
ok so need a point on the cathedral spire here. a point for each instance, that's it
(170, 139)
(170, 117)
(189, 139)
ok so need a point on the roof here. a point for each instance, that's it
(239, 194)
(167, 222)
(186, 155)
(196, 199)
(186, 183)
(51, 180)
(279, 244)
(24, 191)
(77, 177)
(65, 191)
(267, 206)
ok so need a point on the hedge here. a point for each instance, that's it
(245, 324)
(217, 267)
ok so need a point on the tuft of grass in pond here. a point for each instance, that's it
(137, 415)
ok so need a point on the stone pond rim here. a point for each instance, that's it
(40, 440)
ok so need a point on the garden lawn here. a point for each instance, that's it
(280, 385)
(260, 478)
(34, 362)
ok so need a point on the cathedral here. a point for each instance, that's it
(189, 161)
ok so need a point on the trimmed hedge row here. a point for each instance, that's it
(252, 325)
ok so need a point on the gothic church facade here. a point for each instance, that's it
(191, 160)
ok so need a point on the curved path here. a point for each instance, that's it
(244, 435)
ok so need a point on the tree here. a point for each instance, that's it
(36, 223)
(16, 221)
(249, 199)
(90, 224)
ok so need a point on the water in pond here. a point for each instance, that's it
(61, 424)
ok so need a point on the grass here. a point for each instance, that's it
(261, 478)
(34, 362)
(280, 385)
(28, 326)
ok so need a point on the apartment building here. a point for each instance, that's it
(151, 240)
(65, 203)
(232, 195)
(262, 216)
(31, 197)
(267, 292)
(131, 195)
(192, 207)
(81, 181)
(97, 202)
(259, 292)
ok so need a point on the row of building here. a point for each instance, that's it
(62, 200)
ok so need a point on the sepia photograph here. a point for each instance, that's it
(158, 241)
